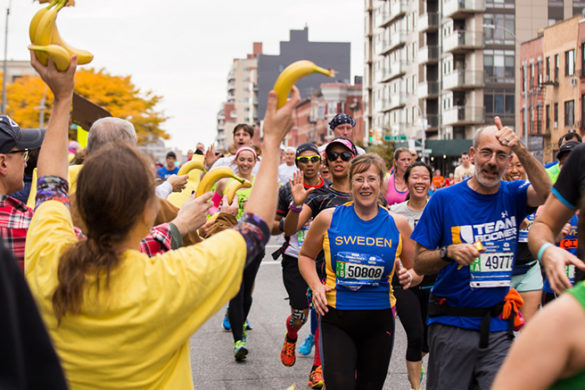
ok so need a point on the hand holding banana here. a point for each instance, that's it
(46, 41)
(291, 74)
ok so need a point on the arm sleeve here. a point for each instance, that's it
(52, 188)
(571, 180)
(158, 241)
(163, 190)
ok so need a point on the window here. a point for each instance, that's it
(570, 63)
(502, 33)
(547, 78)
(582, 111)
(531, 76)
(539, 73)
(523, 70)
(556, 115)
(547, 117)
(499, 102)
(557, 65)
(569, 113)
(499, 66)
(583, 60)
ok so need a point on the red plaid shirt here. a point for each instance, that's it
(15, 218)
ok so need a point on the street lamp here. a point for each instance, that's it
(5, 66)
(525, 70)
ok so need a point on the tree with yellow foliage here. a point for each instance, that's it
(117, 94)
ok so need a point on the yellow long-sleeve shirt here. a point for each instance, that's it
(133, 334)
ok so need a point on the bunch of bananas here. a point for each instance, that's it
(291, 74)
(46, 41)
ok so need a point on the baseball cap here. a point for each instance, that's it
(12, 137)
(304, 147)
(342, 141)
(567, 148)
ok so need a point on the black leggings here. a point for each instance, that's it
(240, 305)
(356, 346)
(411, 307)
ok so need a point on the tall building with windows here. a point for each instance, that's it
(553, 85)
(461, 56)
(241, 105)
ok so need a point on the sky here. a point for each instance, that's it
(183, 49)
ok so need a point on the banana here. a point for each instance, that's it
(58, 54)
(233, 187)
(32, 28)
(83, 56)
(43, 31)
(213, 176)
(189, 166)
(291, 74)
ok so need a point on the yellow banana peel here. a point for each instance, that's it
(212, 177)
(233, 187)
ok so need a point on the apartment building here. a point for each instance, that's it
(440, 69)
(553, 84)
(241, 105)
(313, 114)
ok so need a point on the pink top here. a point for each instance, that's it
(392, 194)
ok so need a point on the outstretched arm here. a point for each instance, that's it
(53, 155)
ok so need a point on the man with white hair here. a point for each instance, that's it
(288, 167)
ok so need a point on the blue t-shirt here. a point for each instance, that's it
(457, 214)
(164, 173)
(360, 259)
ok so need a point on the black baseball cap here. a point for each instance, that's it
(567, 148)
(11, 136)
(304, 147)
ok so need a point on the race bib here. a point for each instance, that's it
(570, 270)
(301, 234)
(493, 268)
(355, 270)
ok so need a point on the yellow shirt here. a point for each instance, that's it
(133, 334)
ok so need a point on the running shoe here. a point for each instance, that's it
(287, 353)
(316, 378)
(248, 326)
(226, 322)
(240, 351)
(422, 374)
(307, 345)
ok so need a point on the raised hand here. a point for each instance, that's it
(297, 188)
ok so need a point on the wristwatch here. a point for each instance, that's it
(443, 253)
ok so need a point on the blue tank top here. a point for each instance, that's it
(360, 259)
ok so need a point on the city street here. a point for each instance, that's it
(212, 348)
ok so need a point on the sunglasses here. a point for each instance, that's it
(306, 159)
(23, 151)
(345, 156)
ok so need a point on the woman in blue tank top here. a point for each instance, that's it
(362, 242)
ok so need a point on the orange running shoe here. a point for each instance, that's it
(287, 353)
(316, 379)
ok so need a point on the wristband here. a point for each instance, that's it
(281, 224)
(295, 208)
(542, 249)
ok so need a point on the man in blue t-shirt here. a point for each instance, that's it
(170, 168)
(468, 341)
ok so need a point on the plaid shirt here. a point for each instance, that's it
(15, 218)
(55, 188)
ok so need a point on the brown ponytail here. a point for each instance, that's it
(113, 189)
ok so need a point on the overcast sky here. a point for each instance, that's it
(183, 49)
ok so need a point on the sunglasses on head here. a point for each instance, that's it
(306, 159)
(345, 156)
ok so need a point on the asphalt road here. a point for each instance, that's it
(212, 361)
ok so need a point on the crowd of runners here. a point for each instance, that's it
(122, 278)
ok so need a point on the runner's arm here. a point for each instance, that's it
(295, 221)
(312, 245)
(428, 261)
(544, 348)
(547, 226)
(540, 183)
